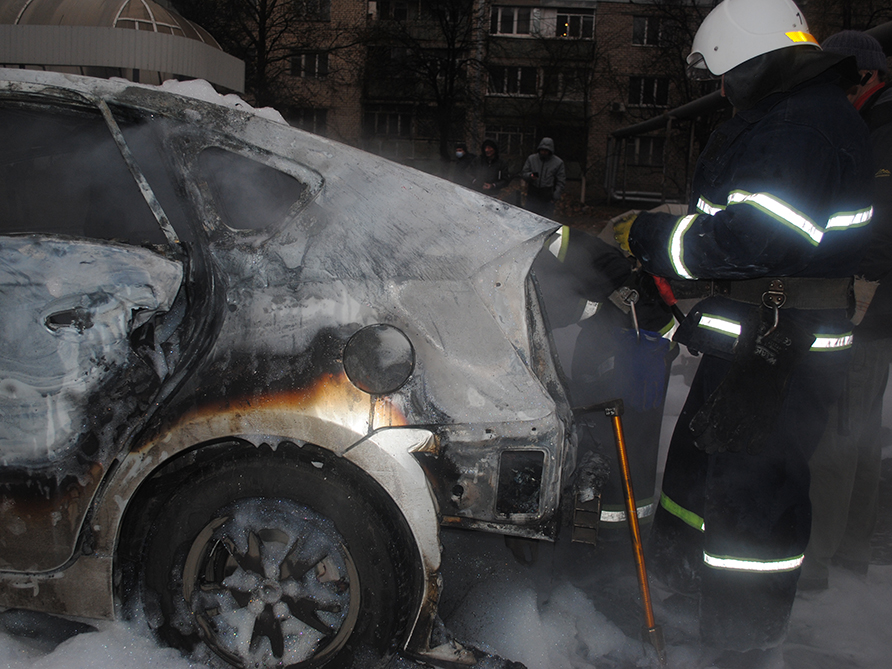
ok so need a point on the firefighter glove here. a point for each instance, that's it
(621, 228)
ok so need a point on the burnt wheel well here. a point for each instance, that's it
(145, 506)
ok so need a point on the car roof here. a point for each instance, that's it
(379, 217)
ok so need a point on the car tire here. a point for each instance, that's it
(272, 562)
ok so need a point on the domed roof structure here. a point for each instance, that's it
(135, 39)
(134, 14)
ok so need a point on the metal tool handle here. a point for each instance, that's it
(652, 632)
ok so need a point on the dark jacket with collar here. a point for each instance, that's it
(486, 170)
(877, 262)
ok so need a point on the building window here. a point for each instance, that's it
(387, 121)
(310, 65)
(645, 151)
(399, 10)
(575, 24)
(649, 91)
(313, 10)
(511, 20)
(647, 30)
(563, 82)
(512, 80)
(512, 140)
(311, 120)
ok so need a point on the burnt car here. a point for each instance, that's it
(247, 373)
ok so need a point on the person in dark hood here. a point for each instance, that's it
(778, 220)
(845, 468)
(488, 172)
(463, 160)
(546, 179)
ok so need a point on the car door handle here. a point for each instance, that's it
(78, 318)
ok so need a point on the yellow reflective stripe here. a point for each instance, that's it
(676, 245)
(590, 309)
(560, 243)
(688, 517)
(719, 324)
(760, 566)
(780, 211)
(799, 36)
(851, 219)
(834, 342)
(614, 516)
(732, 328)
(708, 207)
(668, 330)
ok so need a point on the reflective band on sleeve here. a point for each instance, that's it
(832, 342)
(719, 324)
(854, 219)
(668, 330)
(620, 516)
(800, 36)
(688, 517)
(676, 246)
(708, 207)
(558, 245)
(590, 309)
(780, 211)
(760, 566)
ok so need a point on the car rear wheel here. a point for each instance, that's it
(272, 563)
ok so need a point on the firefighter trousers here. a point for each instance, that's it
(732, 527)
(845, 468)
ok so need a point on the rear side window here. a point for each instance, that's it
(62, 173)
(249, 194)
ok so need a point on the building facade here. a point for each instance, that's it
(425, 75)
(408, 79)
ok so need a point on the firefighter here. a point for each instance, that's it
(778, 219)
(845, 468)
(621, 349)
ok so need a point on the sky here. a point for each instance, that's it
(576, 607)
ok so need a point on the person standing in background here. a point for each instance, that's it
(546, 179)
(463, 160)
(488, 172)
(845, 468)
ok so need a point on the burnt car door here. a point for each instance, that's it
(93, 297)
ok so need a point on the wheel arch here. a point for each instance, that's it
(374, 463)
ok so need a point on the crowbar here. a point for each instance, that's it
(652, 632)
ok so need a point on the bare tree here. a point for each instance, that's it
(427, 53)
(269, 35)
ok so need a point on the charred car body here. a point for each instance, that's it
(246, 374)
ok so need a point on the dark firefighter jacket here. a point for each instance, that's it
(783, 189)
(877, 262)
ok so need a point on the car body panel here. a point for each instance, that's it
(276, 281)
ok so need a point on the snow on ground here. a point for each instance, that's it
(576, 607)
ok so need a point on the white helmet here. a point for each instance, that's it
(737, 30)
